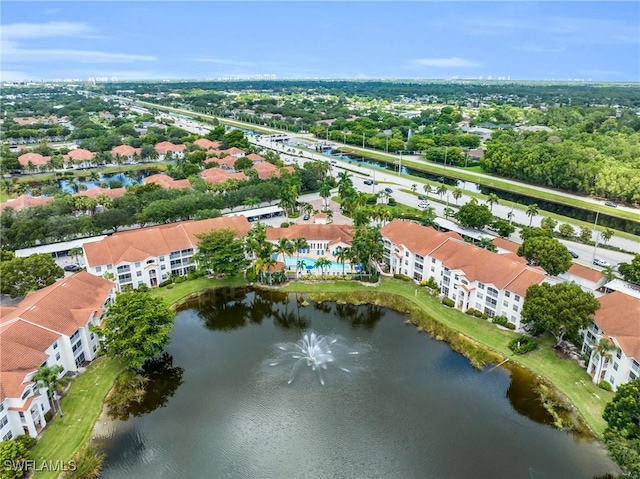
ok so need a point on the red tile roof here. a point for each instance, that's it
(25, 201)
(166, 181)
(165, 146)
(207, 144)
(266, 170)
(125, 150)
(313, 232)
(416, 238)
(233, 151)
(140, 244)
(506, 244)
(79, 154)
(585, 272)
(35, 159)
(255, 158)
(218, 175)
(94, 191)
(619, 317)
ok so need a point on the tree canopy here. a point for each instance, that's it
(548, 253)
(631, 271)
(21, 275)
(622, 435)
(474, 215)
(221, 252)
(560, 309)
(137, 328)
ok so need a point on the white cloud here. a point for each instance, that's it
(15, 31)
(451, 62)
(221, 61)
(11, 51)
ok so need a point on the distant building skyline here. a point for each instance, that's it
(561, 41)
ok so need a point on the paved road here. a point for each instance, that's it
(404, 181)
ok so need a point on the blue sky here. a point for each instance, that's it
(383, 39)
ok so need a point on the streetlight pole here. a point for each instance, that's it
(386, 148)
(400, 164)
(363, 139)
(446, 149)
(595, 231)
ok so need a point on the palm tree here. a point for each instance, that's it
(604, 349)
(606, 235)
(441, 190)
(532, 210)
(49, 377)
(298, 244)
(322, 263)
(414, 187)
(342, 255)
(427, 189)
(449, 213)
(284, 247)
(325, 192)
(487, 243)
(300, 266)
(75, 252)
(457, 194)
(609, 273)
(491, 200)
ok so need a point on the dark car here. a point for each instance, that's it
(306, 216)
(72, 267)
(422, 197)
(388, 190)
(610, 203)
(368, 182)
(573, 253)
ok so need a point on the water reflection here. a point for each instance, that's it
(162, 380)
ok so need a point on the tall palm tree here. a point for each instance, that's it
(300, 266)
(342, 255)
(606, 235)
(322, 263)
(49, 377)
(457, 194)
(75, 252)
(427, 189)
(441, 190)
(604, 349)
(609, 273)
(284, 247)
(414, 187)
(532, 210)
(325, 192)
(491, 200)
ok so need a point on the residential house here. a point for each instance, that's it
(126, 153)
(225, 163)
(206, 144)
(219, 175)
(167, 182)
(164, 147)
(25, 201)
(618, 321)
(78, 158)
(48, 327)
(33, 159)
(234, 151)
(149, 255)
(472, 277)
(255, 158)
(588, 279)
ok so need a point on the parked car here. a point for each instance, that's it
(306, 216)
(574, 254)
(368, 182)
(334, 162)
(388, 190)
(422, 198)
(610, 203)
(600, 262)
(423, 204)
(72, 267)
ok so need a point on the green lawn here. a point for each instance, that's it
(82, 406)
(182, 290)
(565, 375)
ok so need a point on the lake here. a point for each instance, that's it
(405, 406)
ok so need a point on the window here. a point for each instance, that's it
(619, 354)
(125, 278)
(77, 347)
(161, 258)
(456, 277)
(478, 306)
(26, 393)
(515, 308)
(612, 380)
(480, 285)
(479, 295)
(632, 376)
(74, 336)
(8, 436)
(138, 273)
(507, 294)
(55, 345)
(517, 298)
(1, 407)
(505, 303)
(138, 264)
(433, 269)
(3, 422)
(21, 414)
(163, 267)
(92, 336)
(615, 366)
(433, 260)
(95, 348)
(109, 267)
(406, 254)
(492, 292)
(98, 269)
(57, 356)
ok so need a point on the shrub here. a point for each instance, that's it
(143, 288)
(284, 225)
(510, 326)
(180, 279)
(170, 286)
(448, 302)
(501, 320)
(403, 277)
(523, 344)
(251, 275)
(484, 316)
(471, 311)
(88, 464)
(392, 202)
(423, 282)
(605, 385)
(477, 314)
(433, 284)
(166, 282)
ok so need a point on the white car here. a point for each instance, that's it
(600, 262)
(423, 204)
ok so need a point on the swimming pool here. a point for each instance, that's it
(310, 263)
